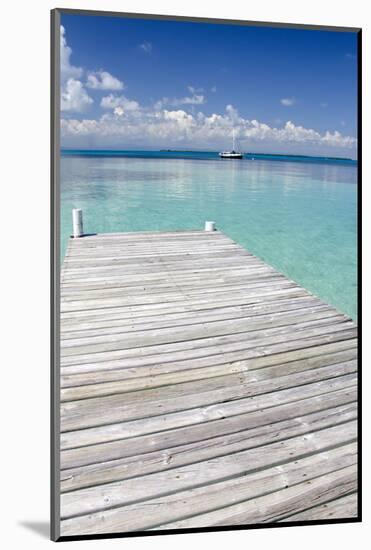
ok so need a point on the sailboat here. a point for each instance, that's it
(231, 154)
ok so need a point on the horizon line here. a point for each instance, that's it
(170, 150)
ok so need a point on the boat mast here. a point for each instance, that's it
(233, 139)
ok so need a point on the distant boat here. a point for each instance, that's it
(231, 154)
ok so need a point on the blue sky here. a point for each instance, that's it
(130, 83)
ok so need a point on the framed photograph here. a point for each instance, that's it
(206, 183)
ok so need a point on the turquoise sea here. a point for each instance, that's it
(299, 214)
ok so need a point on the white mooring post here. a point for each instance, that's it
(210, 226)
(78, 230)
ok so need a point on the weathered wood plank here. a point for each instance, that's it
(161, 274)
(105, 323)
(268, 413)
(137, 380)
(180, 388)
(188, 279)
(208, 447)
(112, 256)
(189, 350)
(131, 428)
(93, 499)
(277, 505)
(164, 322)
(188, 304)
(177, 294)
(175, 265)
(207, 366)
(199, 387)
(87, 412)
(137, 288)
(155, 512)
(168, 335)
(344, 507)
(218, 327)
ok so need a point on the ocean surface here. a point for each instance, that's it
(299, 214)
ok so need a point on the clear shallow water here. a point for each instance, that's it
(299, 217)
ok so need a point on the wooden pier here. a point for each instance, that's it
(199, 388)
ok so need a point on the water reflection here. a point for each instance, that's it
(299, 217)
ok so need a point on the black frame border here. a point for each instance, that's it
(55, 270)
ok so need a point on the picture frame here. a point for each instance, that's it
(57, 264)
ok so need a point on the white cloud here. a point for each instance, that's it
(288, 101)
(67, 70)
(103, 80)
(146, 46)
(194, 90)
(232, 113)
(80, 127)
(324, 104)
(163, 127)
(195, 99)
(120, 103)
(119, 111)
(125, 121)
(74, 96)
